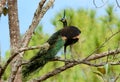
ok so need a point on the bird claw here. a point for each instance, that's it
(66, 63)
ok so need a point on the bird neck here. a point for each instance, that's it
(65, 23)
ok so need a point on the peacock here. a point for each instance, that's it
(63, 37)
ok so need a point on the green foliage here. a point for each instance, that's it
(7, 73)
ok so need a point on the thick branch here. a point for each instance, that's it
(13, 25)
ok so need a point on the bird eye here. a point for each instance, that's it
(63, 19)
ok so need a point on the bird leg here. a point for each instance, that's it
(65, 51)
(65, 54)
(71, 50)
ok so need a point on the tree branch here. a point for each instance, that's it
(104, 54)
(14, 36)
(117, 3)
(35, 21)
(74, 63)
(84, 62)
(40, 11)
(41, 47)
(101, 5)
(2, 5)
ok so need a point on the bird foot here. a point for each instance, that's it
(66, 63)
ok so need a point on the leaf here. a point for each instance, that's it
(5, 11)
(101, 70)
(107, 68)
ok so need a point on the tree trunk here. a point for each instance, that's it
(14, 39)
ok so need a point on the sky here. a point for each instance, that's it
(26, 9)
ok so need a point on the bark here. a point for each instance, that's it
(2, 4)
(14, 38)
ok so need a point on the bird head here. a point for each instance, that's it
(63, 20)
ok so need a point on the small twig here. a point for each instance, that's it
(104, 54)
(101, 5)
(41, 47)
(85, 62)
(78, 62)
(103, 43)
(117, 3)
(117, 78)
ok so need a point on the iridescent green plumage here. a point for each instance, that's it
(41, 58)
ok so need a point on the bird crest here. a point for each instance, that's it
(63, 18)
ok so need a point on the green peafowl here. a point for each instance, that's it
(63, 37)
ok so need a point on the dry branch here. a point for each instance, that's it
(94, 2)
(40, 11)
(108, 53)
(104, 3)
(41, 47)
(118, 4)
(35, 22)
